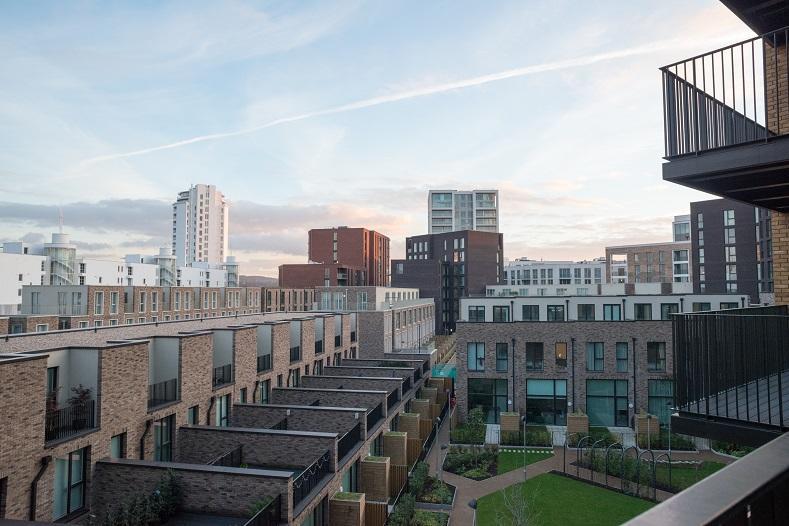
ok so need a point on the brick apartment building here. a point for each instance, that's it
(449, 266)
(95, 417)
(341, 256)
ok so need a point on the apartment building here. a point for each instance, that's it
(649, 263)
(95, 418)
(288, 300)
(524, 271)
(453, 210)
(448, 266)
(200, 226)
(389, 319)
(680, 228)
(18, 269)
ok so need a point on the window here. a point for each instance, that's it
(546, 402)
(502, 355)
(701, 256)
(561, 354)
(585, 312)
(606, 402)
(154, 301)
(42, 327)
(661, 399)
(729, 236)
(476, 356)
(594, 356)
(656, 356)
(700, 220)
(728, 218)
(377, 445)
(731, 254)
(52, 381)
(163, 439)
(555, 312)
(350, 479)
(98, 303)
(113, 303)
(729, 305)
(701, 238)
(501, 313)
(265, 391)
(488, 394)
(242, 395)
(731, 272)
(531, 313)
(642, 311)
(476, 313)
(612, 312)
(700, 306)
(69, 487)
(222, 410)
(621, 357)
(142, 302)
(3, 496)
(193, 415)
(118, 446)
(534, 356)
(667, 309)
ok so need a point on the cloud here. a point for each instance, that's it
(409, 94)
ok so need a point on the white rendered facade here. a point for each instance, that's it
(452, 210)
(16, 270)
(529, 272)
(200, 226)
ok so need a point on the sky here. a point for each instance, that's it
(319, 114)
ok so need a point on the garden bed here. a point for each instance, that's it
(535, 436)
(478, 463)
(429, 490)
(661, 442)
(730, 449)
(596, 434)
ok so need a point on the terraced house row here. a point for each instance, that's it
(262, 419)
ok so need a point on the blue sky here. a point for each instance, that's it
(311, 114)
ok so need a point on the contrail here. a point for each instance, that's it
(404, 95)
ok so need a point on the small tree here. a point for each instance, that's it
(516, 510)
(476, 417)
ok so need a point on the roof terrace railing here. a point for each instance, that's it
(730, 96)
(310, 477)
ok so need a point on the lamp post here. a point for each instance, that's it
(523, 422)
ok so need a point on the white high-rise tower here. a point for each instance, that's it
(452, 210)
(200, 226)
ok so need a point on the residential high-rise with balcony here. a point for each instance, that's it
(452, 210)
(200, 226)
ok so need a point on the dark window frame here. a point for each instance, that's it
(502, 357)
(533, 312)
(535, 356)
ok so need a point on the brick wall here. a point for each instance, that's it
(780, 226)
(334, 382)
(338, 398)
(777, 91)
(3, 325)
(300, 419)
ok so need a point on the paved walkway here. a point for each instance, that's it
(468, 490)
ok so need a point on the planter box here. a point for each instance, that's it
(347, 511)
(510, 421)
(438, 507)
(647, 424)
(577, 424)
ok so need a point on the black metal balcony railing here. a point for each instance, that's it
(282, 425)
(417, 375)
(406, 384)
(730, 96)
(295, 353)
(349, 440)
(425, 366)
(310, 477)
(264, 363)
(68, 421)
(269, 515)
(318, 346)
(223, 375)
(337, 341)
(733, 364)
(229, 459)
(373, 417)
(162, 393)
(392, 399)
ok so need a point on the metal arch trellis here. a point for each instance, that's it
(638, 474)
(579, 454)
(667, 455)
(564, 452)
(591, 458)
(607, 454)
(623, 464)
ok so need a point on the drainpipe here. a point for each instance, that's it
(513, 374)
(142, 438)
(682, 305)
(566, 310)
(208, 413)
(635, 405)
(34, 485)
(624, 310)
(572, 346)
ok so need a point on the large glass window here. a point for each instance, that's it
(350, 479)
(118, 446)
(488, 394)
(475, 356)
(667, 309)
(612, 312)
(163, 438)
(531, 313)
(69, 487)
(193, 415)
(222, 410)
(594, 356)
(501, 313)
(661, 399)
(546, 402)
(621, 357)
(476, 313)
(534, 356)
(606, 402)
(643, 311)
(700, 306)
(561, 354)
(585, 312)
(502, 354)
(656, 356)
(555, 312)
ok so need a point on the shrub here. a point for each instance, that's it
(418, 479)
(467, 434)
(259, 505)
(661, 442)
(141, 510)
(476, 474)
(535, 436)
(428, 518)
(731, 448)
(596, 433)
(404, 511)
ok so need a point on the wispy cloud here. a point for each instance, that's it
(411, 94)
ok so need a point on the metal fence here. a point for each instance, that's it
(349, 440)
(310, 477)
(163, 393)
(733, 95)
(229, 459)
(68, 421)
(264, 362)
(392, 399)
(373, 417)
(223, 375)
(269, 515)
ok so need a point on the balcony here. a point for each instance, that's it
(731, 371)
(162, 393)
(349, 440)
(373, 418)
(310, 478)
(69, 421)
(406, 384)
(223, 375)
(726, 121)
(269, 515)
(318, 346)
(295, 353)
(392, 399)
(264, 363)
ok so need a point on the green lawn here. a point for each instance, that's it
(509, 461)
(684, 477)
(559, 500)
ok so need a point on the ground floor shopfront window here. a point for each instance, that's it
(546, 402)
(490, 395)
(606, 402)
